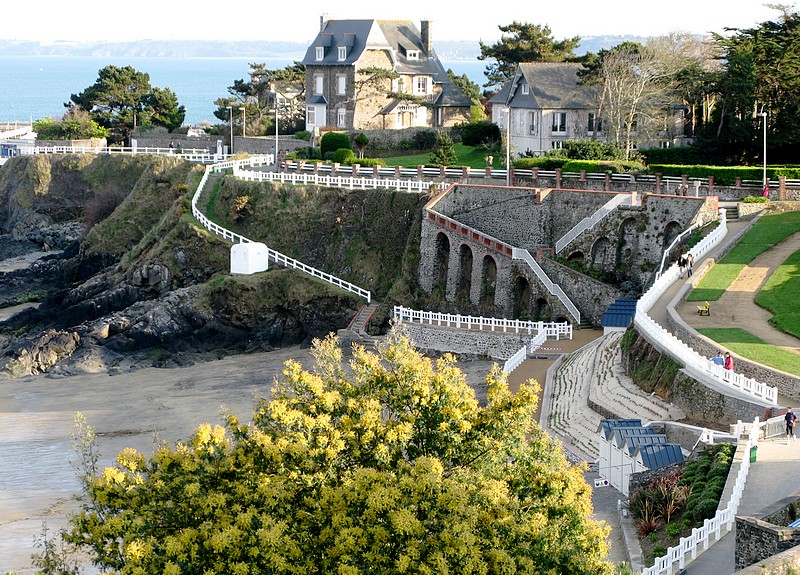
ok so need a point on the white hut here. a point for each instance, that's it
(249, 258)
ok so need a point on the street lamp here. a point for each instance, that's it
(508, 143)
(276, 131)
(764, 154)
(244, 120)
(230, 112)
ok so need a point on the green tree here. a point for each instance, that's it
(122, 96)
(523, 42)
(385, 465)
(444, 152)
(76, 124)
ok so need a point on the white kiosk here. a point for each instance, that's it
(249, 258)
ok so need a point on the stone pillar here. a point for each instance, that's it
(334, 168)
(608, 182)
(464, 173)
(582, 177)
(317, 167)
(356, 169)
(558, 178)
(397, 171)
(710, 186)
(442, 171)
(658, 183)
(420, 173)
(453, 269)
(782, 188)
(476, 281)
(504, 287)
(376, 171)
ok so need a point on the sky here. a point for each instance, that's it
(54, 20)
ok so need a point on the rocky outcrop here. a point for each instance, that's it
(46, 351)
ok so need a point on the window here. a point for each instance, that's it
(526, 89)
(341, 118)
(559, 122)
(341, 84)
(595, 124)
(320, 53)
(533, 123)
(311, 116)
(413, 55)
(422, 85)
(401, 85)
(318, 84)
(342, 53)
(557, 145)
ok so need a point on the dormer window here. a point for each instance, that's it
(526, 90)
(342, 53)
(320, 53)
(412, 54)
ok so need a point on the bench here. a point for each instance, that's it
(704, 309)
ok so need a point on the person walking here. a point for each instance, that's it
(791, 421)
(689, 264)
(718, 359)
(728, 364)
(682, 262)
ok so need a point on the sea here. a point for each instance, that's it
(34, 87)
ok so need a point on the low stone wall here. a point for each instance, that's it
(644, 478)
(749, 211)
(495, 345)
(786, 563)
(590, 296)
(760, 537)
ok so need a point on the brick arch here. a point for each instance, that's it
(627, 244)
(576, 256)
(488, 280)
(521, 298)
(465, 261)
(602, 254)
(441, 262)
(541, 310)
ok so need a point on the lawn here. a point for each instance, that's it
(467, 156)
(765, 233)
(779, 293)
(750, 347)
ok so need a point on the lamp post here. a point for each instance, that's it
(244, 120)
(764, 154)
(508, 144)
(230, 113)
(276, 131)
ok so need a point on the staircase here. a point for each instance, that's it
(731, 210)
(356, 331)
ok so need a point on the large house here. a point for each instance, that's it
(378, 74)
(548, 106)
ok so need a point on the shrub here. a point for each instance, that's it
(443, 153)
(543, 163)
(344, 156)
(478, 133)
(370, 162)
(303, 135)
(673, 530)
(333, 141)
(424, 140)
(305, 153)
(597, 166)
(755, 200)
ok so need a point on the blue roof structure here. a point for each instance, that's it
(658, 455)
(622, 435)
(620, 313)
(607, 426)
(634, 442)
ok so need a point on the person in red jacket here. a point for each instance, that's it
(728, 361)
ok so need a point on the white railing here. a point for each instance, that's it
(724, 518)
(555, 289)
(351, 183)
(552, 330)
(589, 222)
(693, 361)
(201, 155)
(273, 255)
(516, 360)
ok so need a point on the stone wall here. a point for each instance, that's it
(497, 345)
(766, 534)
(590, 296)
(644, 478)
(785, 563)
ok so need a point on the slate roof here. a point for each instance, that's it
(607, 426)
(658, 455)
(634, 442)
(552, 85)
(619, 314)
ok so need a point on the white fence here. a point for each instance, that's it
(200, 155)
(724, 519)
(695, 363)
(553, 288)
(351, 183)
(273, 255)
(552, 330)
(590, 222)
(516, 360)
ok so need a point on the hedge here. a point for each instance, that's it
(724, 175)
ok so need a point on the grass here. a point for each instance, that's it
(768, 231)
(750, 347)
(467, 156)
(779, 293)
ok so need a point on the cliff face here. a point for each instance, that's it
(141, 283)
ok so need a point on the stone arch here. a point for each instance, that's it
(441, 263)
(522, 298)
(464, 285)
(576, 257)
(628, 243)
(602, 254)
(488, 280)
(541, 310)
(671, 231)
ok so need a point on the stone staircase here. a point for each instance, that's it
(593, 376)
(356, 331)
(731, 210)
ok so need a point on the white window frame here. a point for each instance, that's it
(319, 84)
(311, 116)
(559, 123)
(341, 84)
(557, 145)
(412, 55)
(533, 123)
(526, 89)
(594, 124)
(319, 53)
(342, 53)
(341, 118)
(421, 85)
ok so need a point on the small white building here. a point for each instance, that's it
(249, 258)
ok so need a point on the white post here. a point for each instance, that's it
(230, 112)
(244, 121)
(508, 144)
(764, 155)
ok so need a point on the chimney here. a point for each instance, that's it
(323, 20)
(425, 33)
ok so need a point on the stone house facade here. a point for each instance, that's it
(378, 74)
(548, 106)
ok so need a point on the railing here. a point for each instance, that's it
(590, 222)
(676, 241)
(724, 518)
(351, 183)
(516, 360)
(551, 330)
(273, 255)
(201, 155)
(555, 289)
(693, 361)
